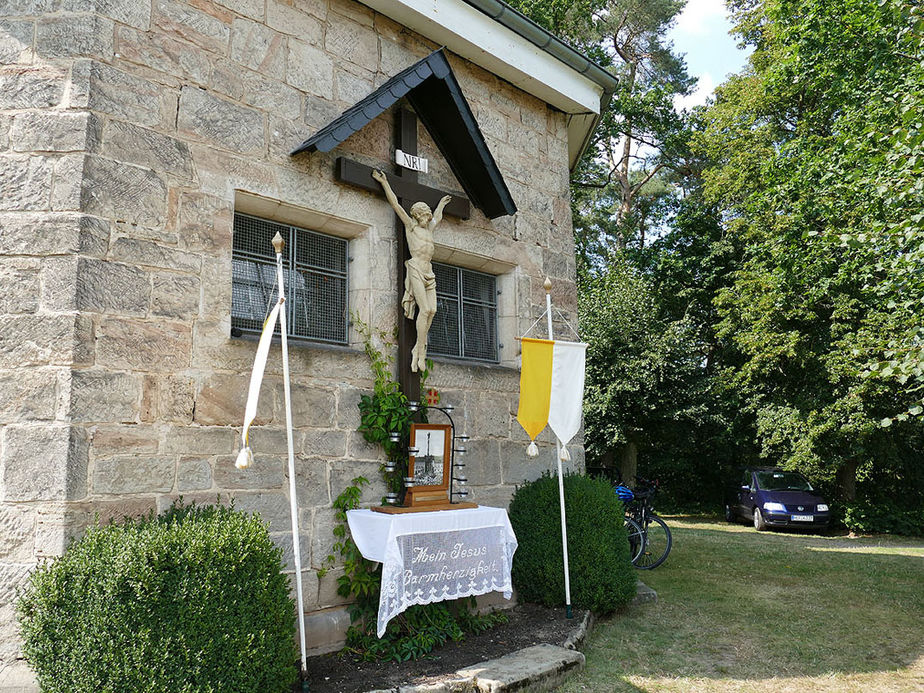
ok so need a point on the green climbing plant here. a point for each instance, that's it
(354, 564)
(386, 410)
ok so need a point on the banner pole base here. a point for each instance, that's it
(568, 612)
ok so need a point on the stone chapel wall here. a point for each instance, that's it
(128, 131)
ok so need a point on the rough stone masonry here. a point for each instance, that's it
(130, 132)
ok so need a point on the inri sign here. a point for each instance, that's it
(415, 163)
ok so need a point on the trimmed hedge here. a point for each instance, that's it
(192, 600)
(602, 577)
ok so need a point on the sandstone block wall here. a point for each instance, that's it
(129, 132)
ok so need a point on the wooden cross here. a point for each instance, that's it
(408, 191)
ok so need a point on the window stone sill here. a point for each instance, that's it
(464, 363)
(298, 342)
(301, 343)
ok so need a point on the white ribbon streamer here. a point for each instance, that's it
(245, 456)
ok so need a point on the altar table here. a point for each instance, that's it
(433, 556)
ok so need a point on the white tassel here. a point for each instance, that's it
(532, 450)
(565, 455)
(244, 458)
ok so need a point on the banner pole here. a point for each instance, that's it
(278, 244)
(561, 482)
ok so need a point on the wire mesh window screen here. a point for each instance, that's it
(465, 325)
(479, 338)
(314, 271)
(443, 337)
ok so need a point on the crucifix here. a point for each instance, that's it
(407, 190)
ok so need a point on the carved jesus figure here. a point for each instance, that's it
(420, 281)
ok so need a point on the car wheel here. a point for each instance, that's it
(729, 513)
(759, 523)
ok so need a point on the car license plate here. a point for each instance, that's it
(802, 518)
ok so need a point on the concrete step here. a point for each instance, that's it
(536, 668)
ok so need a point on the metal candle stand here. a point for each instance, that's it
(456, 463)
(391, 498)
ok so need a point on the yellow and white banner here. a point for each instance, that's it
(245, 456)
(551, 390)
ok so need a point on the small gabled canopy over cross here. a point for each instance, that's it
(433, 91)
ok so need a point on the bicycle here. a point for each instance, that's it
(636, 537)
(652, 538)
(633, 530)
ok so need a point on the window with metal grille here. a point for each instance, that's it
(315, 275)
(465, 325)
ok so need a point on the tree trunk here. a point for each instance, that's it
(628, 463)
(626, 192)
(846, 481)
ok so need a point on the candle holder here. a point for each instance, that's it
(457, 480)
(435, 478)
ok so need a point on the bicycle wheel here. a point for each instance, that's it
(657, 544)
(636, 539)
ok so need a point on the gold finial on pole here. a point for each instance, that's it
(278, 243)
(548, 285)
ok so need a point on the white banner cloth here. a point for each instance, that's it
(433, 556)
(567, 395)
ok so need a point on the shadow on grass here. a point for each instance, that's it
(736, 604)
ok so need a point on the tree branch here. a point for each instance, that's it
(599, 186)
(651, 174)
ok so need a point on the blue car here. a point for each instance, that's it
(776, 498)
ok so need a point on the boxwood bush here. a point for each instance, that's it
(192, 600)
(602, 577)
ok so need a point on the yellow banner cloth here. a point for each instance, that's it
(535, 385)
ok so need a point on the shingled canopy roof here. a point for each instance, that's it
(432, 90)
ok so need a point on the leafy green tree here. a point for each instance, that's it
(805, 172)
(890, 141)
(696, 430)
(652, 374)
(620, 182)
(779, 313)
(639, 368)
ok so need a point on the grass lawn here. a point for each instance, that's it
(739, 610)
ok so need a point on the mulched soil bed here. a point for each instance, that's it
(528, 625)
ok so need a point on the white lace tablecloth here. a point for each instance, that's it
(433, 556)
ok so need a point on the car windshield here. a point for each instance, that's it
(782, 481)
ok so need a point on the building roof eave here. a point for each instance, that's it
(493, 35)
(523, 26)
